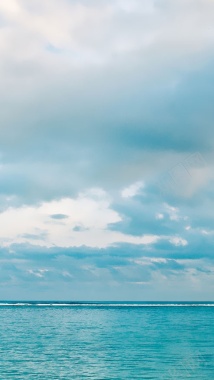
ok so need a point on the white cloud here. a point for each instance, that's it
(38, 273)
(178, 241)
(70, 222)
(159, 216)
(53, 223)
(174, 213)
(145, 261)
(158, 260)
(132, 190)
(207, 232)
(94, 32)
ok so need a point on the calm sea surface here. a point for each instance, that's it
(106, 341)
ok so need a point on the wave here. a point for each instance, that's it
(102, 305)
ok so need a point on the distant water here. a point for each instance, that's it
(61, 340)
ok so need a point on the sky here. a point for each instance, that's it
(106, 150)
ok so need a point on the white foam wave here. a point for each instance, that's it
(53, 304)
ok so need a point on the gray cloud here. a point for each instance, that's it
(117, 270)
(59, 216)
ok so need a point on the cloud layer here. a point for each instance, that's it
(106, 149)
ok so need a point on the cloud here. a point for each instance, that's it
(59, 216)
(132, 190)
(85, 273)
(115, 97)
(71, 223)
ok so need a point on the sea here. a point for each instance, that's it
(106, 340)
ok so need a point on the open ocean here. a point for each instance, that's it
(52, 340)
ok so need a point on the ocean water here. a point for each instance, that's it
(50, 340)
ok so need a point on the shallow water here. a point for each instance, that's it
(106, 341)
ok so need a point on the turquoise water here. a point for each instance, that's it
(106, 341)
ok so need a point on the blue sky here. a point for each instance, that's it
(106, 149)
